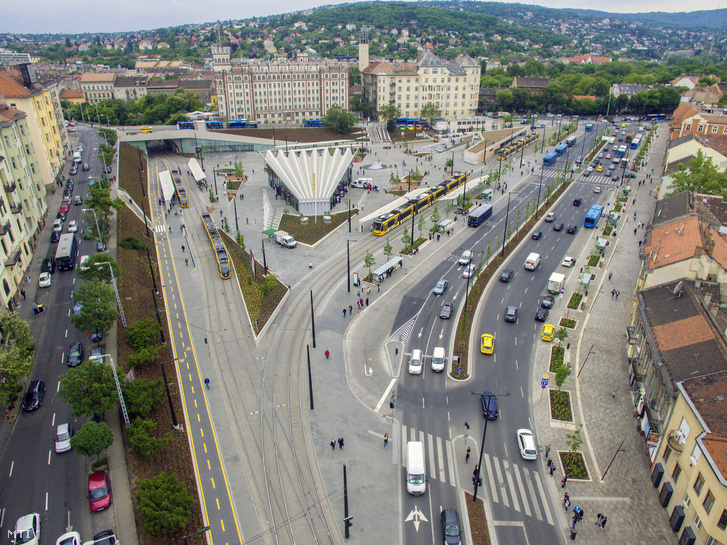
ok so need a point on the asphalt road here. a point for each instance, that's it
(35, 478)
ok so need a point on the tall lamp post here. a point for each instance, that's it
(122, 403)
(116, 290)
(175, 424)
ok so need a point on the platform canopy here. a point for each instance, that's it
(196, 170)
(165, 179)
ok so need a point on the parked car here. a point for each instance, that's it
(75, 354)
(440, 287)
(488, 400)
(97, 353)
(100, 246)
(506, 275)
(69, 538)
(27, 530)
(107, 537)
(451, 531)
(64, 432)
(77, 306)
(34, 396)
(526, 442)
(446, 311)
(61, 215)
(548, 332)
(548, 301)
(55, 236)
(65, 206)
(542, 314)
(107, 169)
(99, 491)
(511, 314)
(48, 265)
(96, 335)
(74, 170)
(568, 261)
(44, 280)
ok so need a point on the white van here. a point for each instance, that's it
(415, 362)
(416, 477)
(362, 182)
(439, 357)
(77, 157)
(532, 262)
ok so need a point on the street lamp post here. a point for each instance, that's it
(540, 185)
(116, 290)
(98, 230)
(118, 390)
(504, 233)
(175, 424)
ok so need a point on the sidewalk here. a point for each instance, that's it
(619, 485)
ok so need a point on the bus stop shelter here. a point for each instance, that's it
(165, 180)
(197, 172)
(386, 269)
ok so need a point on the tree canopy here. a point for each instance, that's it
(164, 504)
(17, 350)
(339, 119)
(702, 176)
(99, 306)
(90, 389)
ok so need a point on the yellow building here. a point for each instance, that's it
(41, 102)
(98, 86)
(691, 464)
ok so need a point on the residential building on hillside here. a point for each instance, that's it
(11, 58)
(74, 96)
(628, 89)
(22, 202)
(682, 150)
(41, 103)
(691, 464)
(278, 90)
(166, 87)
(590, 58)
(452, 85)
(202, 88)
(534, 85)
(701, 124)
(129, 88)
(98, 86)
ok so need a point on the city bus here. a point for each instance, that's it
(570, 141)
(629, 137)
(560, 149)
(181, 125)
(146, 129)
(594, 214)
(315, 123)
(67, 252)
(480, 214)
(550, 159)
(635, 142)
(589, 127)
(621, 151)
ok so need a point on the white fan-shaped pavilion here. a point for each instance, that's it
(312, 176)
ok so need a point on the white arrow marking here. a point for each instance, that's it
(417, 516)
(421, 332)
(441, 334)
(369, 372)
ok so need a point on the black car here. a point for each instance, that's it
(511, 314)
(614, 178)
(451, 532)
(446, 311)
(548, 301)
(630, 175)
(577, 202)
(85, 166)
(74, 170)
(537, 235)
(75, 355)
(48, 265)
(34, 396)
(542, 314)
(572, 229)
(68, 191)
(107, 169)
(489, 405)
(506, 275)
(61, 216)
(100, 246)
(55, 236)
(558, 227)
(96, 335)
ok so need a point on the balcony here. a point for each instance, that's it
(16, 208)
(4, 228)
(9, 188)
(13, 258)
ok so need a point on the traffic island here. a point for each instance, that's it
(574, 465)
(560, 405)
(478, 520)
(568, 322)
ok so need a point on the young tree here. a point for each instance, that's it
(16, 354)
(394, 178)
(89, 389)
(574, 440)
(164, 504)
(92, 438)
(488, 253)
(430, 111)
(142, 440)
(99, 306)
(435, 217)
(339, 119)
(561, 334)
(388, 250)
(212, 196)
(421, 225)
(561, 373)
(405, 238)
(369, 261)
(142, 396)
(98, 272)
(142, 333)
(449, 163)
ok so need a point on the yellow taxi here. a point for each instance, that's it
(487, 344)
(548, 332)
(599, 168)
(623, 125)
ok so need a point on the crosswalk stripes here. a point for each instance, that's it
(515, 486)
(160, 228)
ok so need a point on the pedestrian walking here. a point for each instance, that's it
(617, 294)
(613, 394)
(547, 451)
(566, 498)
(599, 516)
(207, 383)
(634, 231)
(350, 309)
(186, 262)
(386, 440)
(28, 279)
(378, 288)
(581, 514)
(368, 290)
(552, 470)
(467, 456)
(367, 301)
(340, 443)
(333, 444)
(613, 293)
(564, 481)
(181, 228)
(610, 274)
(22, 292)
(344, 312)
(604, 520)
(566, 505)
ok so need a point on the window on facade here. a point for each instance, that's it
(696, 454)
(708, 502)
(700, 128)
(688, 128)
(722, 524)
(675, 474)
(714, 129)
(699, 484)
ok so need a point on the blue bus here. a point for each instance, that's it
(594, 214)
(185, 125)
(236, 123)
(560, 149)
(315, 123)
(621, 151)
(550, 159)
(214, 124)
(589, 127)
(479, 214)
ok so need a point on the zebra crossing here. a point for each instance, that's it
(160, 228)
(595, 178)
(514, 485)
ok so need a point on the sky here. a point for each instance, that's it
(79, 16)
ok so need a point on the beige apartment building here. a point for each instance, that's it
(98, 86)
(452, 85)
(41, 103)
(22, 202)
(279, 90)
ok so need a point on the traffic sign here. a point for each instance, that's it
(544, 381)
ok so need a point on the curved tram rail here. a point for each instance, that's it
(223, 262)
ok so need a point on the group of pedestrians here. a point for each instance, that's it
(339, 441)
(615, 293)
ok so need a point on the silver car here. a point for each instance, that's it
(64, 432)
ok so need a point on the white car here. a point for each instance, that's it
(550, 216)
(27, 530)
(44, 280)
(526, 442)
(70, 538)
(83, 265)
(596, 189)
(64, 432)
(469, 271)
(589, 169)
(568, 261)
(72, 226)
(465, 258)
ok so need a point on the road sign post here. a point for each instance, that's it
(543, 385)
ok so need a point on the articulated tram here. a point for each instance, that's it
(223, 263)
(181, 192)
(516, 146)
(386, 222)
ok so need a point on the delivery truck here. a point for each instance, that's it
(532, 262)
(556, 282)
(284, 239)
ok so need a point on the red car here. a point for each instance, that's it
(65, 206)
(99, 491)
